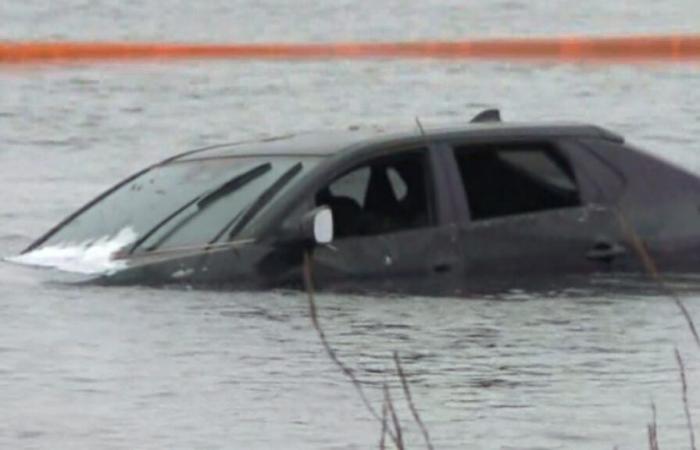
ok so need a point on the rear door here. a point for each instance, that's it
(529, 214)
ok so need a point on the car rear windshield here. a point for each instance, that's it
(184, 203)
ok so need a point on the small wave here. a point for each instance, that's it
(90, 257)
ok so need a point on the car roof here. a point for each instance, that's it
(326, 143)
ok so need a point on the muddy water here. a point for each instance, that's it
(143, 368)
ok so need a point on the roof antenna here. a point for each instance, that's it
(420, 127)
(487, 115)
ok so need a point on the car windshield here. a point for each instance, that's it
(183, 203)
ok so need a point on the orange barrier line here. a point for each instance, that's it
(678, 47)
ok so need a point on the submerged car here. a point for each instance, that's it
(426, 211)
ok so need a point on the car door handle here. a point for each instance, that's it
(605, 251)
(442, 267)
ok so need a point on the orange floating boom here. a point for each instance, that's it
(678, 47)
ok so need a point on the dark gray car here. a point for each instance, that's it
(435, 211)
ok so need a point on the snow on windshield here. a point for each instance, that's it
(87, 257)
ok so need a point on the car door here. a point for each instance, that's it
(394, 226)
(530, 213)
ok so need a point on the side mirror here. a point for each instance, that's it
(314, 228)
(320, 220)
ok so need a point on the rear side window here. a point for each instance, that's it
(505, 180)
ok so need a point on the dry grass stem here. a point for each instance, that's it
(653, 271)
(686, 406)
(308, 284)
(382, 438)
(409, 400)
(394, 419)
(652, 430)
(324, 341)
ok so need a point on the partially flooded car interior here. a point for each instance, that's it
(383, 195)
(396, 192)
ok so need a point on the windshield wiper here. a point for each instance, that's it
(204, 200)
(262, 200)
(233, 184)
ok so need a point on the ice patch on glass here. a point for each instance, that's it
(94, 256)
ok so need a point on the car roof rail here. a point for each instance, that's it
(487, 115)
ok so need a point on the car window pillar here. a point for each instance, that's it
(599, 181)
(448, 182)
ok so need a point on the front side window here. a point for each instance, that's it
(505, 180)
(384, 195)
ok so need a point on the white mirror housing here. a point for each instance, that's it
(323, 225)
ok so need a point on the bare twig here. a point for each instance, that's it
(308, 284)
(652, 430)
(686, 407)
(382, 438)
(394, 419)
(324, 341)
(409, 400)
(653, 271)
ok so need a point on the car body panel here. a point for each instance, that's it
(660, 203)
